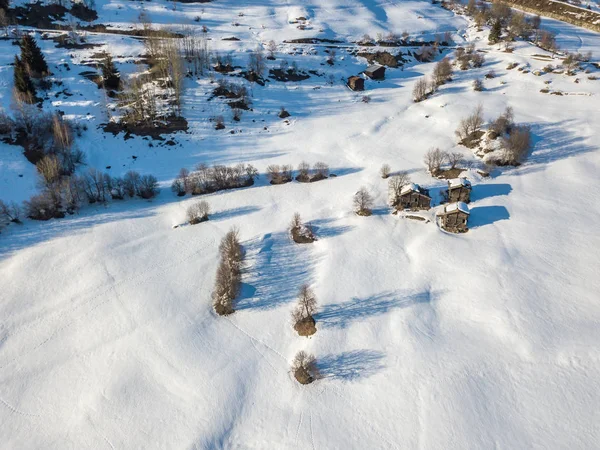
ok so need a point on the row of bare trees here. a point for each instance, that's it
(229, 272)
(207, 179)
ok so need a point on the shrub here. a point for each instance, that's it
(420, 90)
(321, 171)
(303, 172)
(442, 72)
(363, 202)
(131, 183)
(279, 175)
(198, 212)
(385, 171)
(302, 315)
(304, 368)
(283, 113)
(517, 145)
(43, 207)
(219, 122)
(301, 233)
(477, 85)
(491, 74)
(503, 124)
(477, 59)
(148, 187)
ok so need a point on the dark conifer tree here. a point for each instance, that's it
(110, 73)
(23, 82)
(33, 57)
(4, 4)
(496, 32)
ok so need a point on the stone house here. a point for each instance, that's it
(459, 190)
(454, 218)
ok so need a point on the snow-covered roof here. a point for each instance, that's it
(458, 182)
(461, 206)
(410, 187)
(373, 68)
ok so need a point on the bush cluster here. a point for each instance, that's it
(207, 179)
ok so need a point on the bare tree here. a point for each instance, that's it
(303, 171)
(10, 213)
(385, 171)
(256, 62)
(198, 212)
(302, 315)
(470, 125)
(442, 72)
(395, 185)
(304, 368)
(420, 90)
(455, 159)
(363, 202)
(321, 171)
(228, 278)
(271, 49)
(434, 158)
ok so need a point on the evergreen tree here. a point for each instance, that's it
(110, 73)
(33, 57)
(4, 4)
(496, 32)
(23, 82)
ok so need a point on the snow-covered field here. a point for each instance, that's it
(425, 339)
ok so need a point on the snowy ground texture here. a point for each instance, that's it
(425, 339)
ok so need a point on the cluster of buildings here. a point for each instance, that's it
(374, 72)
(455, 215)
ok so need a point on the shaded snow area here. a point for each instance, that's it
(425, 339)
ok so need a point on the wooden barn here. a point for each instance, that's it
(414, 197)
(375, 72)
(459, 190)
(356, 83)
(454, 217)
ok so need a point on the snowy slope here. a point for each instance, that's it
(425, 339)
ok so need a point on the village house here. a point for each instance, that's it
(356, 83)
(454, 217)
(414, 197)
(375, 72)
(459, 190)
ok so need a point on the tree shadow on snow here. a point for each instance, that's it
(234, 212)
(341, 314)
(277, 269)
(323, 228)
(352, 365)
(486, 215)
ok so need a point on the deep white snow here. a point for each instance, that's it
(487, 339)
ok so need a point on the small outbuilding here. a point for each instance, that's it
(454, 218)
(375, 72)
(414, 197)
(459, 190)
(356, 83)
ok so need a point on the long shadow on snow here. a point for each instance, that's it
(234, 212)
(351, 365)
(341, 314)
(553, 142)
(278, 268)
(485, 190)
(323, 228)
(486, 215)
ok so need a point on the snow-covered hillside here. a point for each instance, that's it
(426, 339)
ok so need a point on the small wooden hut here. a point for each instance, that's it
(375, 72)
(356, 83)
(459, 190)
(414, 197)
(454, 217)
